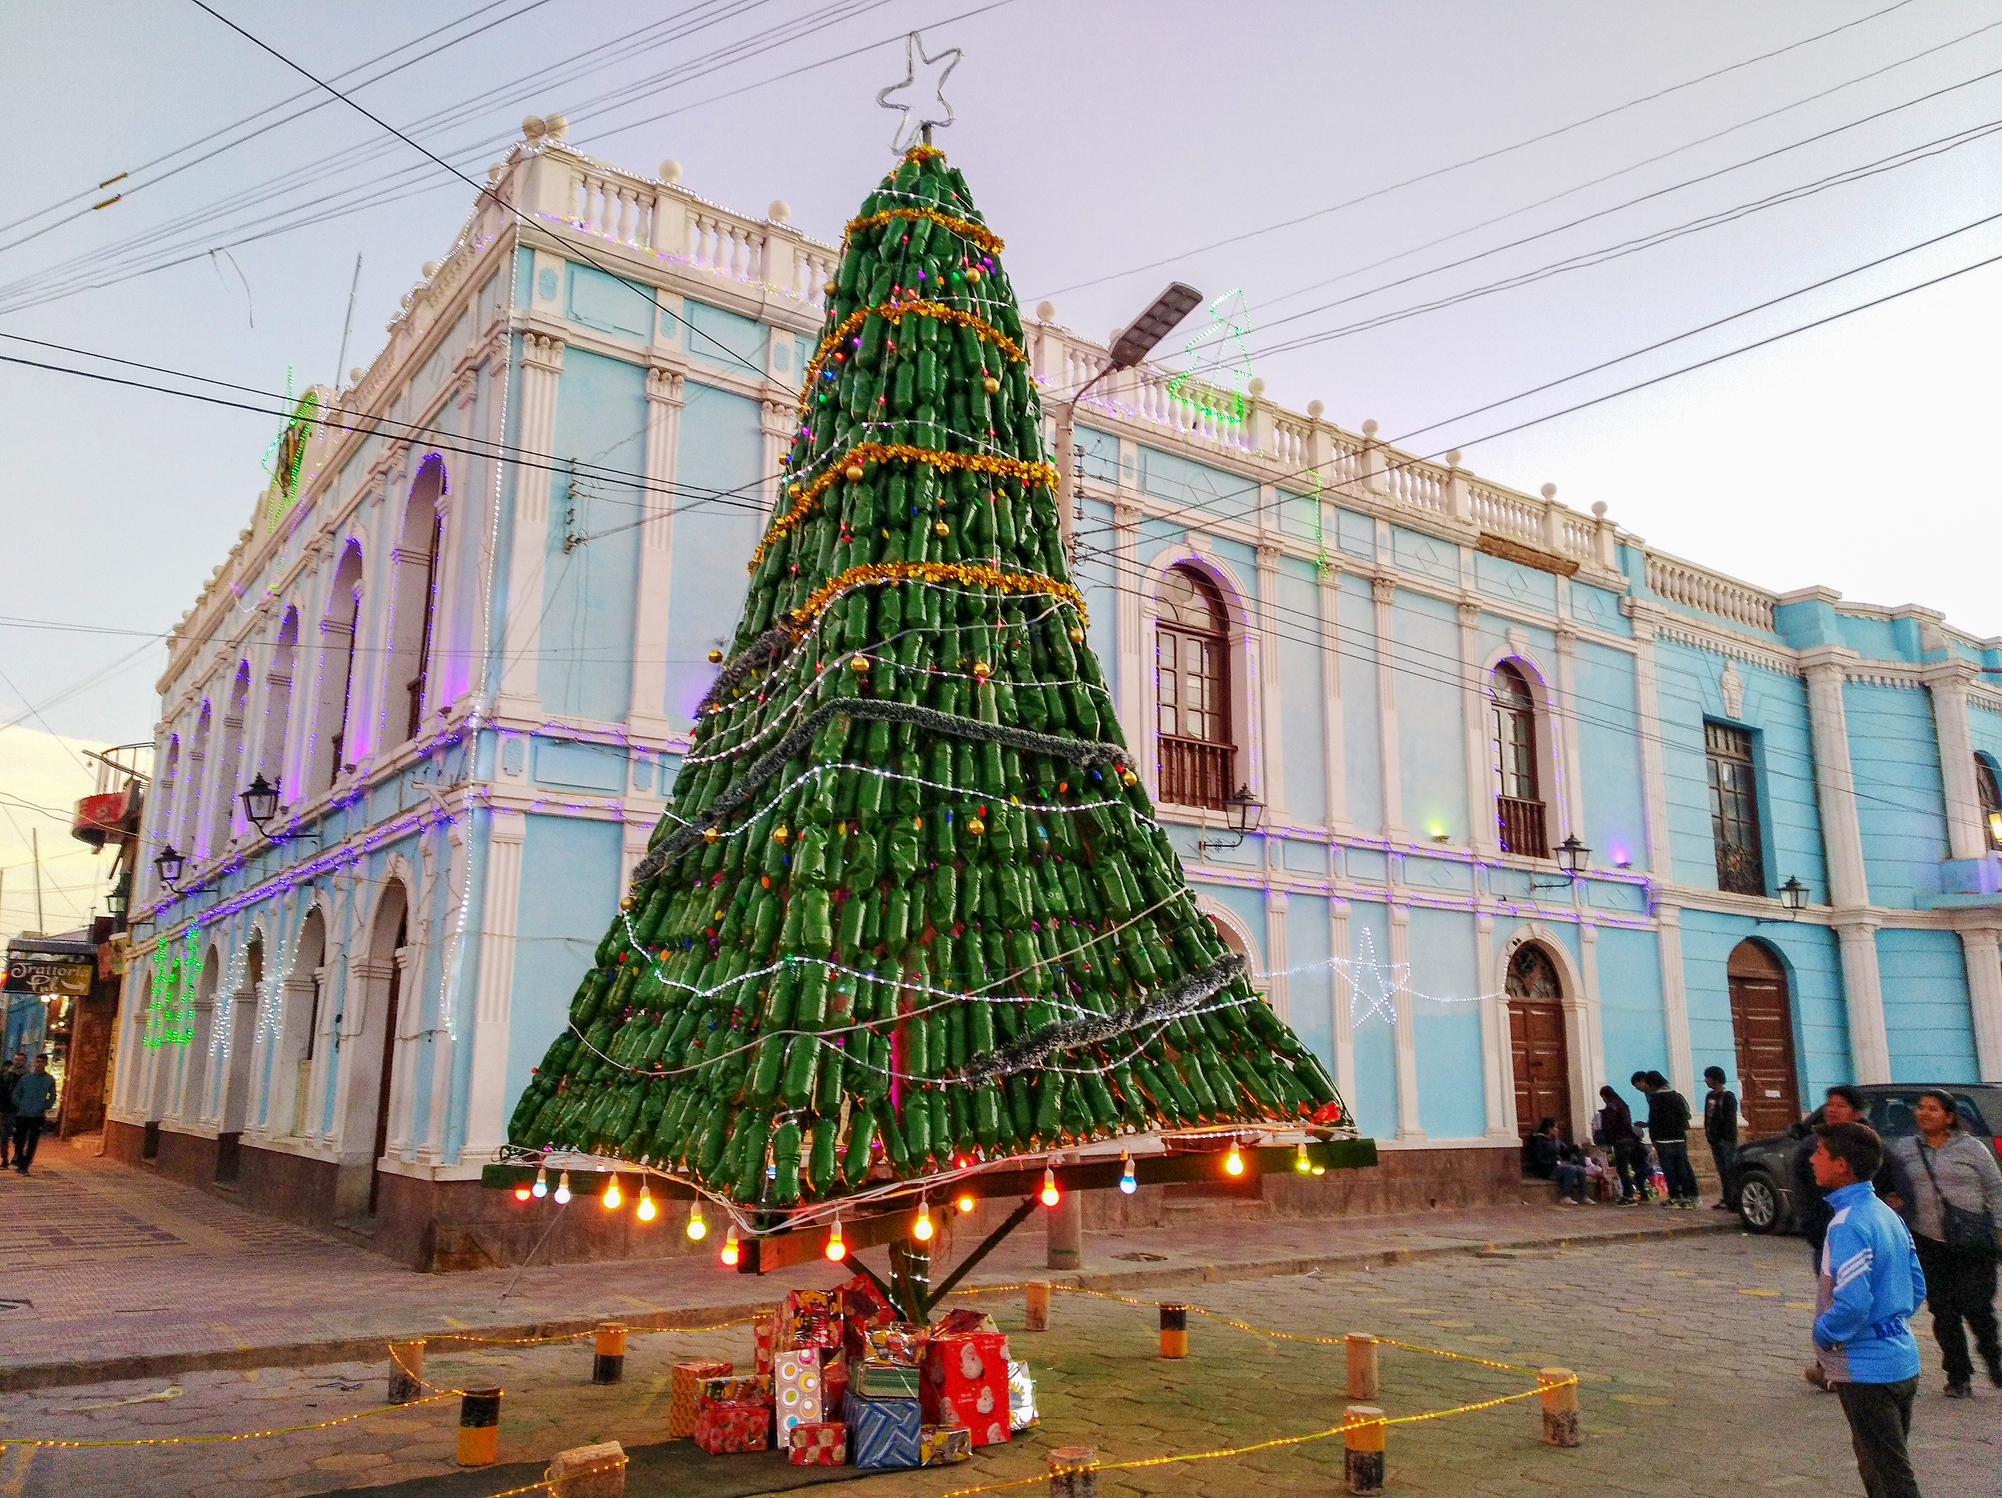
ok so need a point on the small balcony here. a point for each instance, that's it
(1194, 773)
(1521, 824)
(1740, 871)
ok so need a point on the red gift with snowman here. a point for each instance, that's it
(966, 1383)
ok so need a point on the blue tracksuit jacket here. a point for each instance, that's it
(1869, 1285)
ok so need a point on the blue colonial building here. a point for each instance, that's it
(1530, 793)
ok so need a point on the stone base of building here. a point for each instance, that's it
(438, 1226)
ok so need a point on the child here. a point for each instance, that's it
(1598, 1175)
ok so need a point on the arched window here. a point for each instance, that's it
(413, 602)
(225, 813)
(1518, 794)
(1991, 800)
(1192, 691)
(270, 761)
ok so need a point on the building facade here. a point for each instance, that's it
(1529, 791)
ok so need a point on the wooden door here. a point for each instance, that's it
(1762, 1028)
(1536, 1041)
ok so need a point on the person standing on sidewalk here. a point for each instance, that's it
(34, 1095)
(9, 1075)
(1616, 1123)
(1868, 1285)
(1949, 1174)
(1720, 1132)
(1668, 1128)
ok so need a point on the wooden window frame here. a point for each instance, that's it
(1191, 770)
(1737, 839)
(1520, 821)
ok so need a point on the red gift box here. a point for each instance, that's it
(862, 1307)
(765, 1331)
(810, 1318)
(819, 1444)
(965, 1322)
(966, 1383)
(732, 1425)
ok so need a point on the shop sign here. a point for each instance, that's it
(49, 973)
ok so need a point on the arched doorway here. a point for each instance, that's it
(1536, 1041)
(1762, 1029)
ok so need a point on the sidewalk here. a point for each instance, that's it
(111, 1273)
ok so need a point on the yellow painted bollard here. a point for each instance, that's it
(479, 1427)
(1362, 1448)
(1073, 1472)
(1174, 1331)
(1036, 1315)
(1559, 1389)
(1362, 1366)
(406, 1371)
(608, 1366)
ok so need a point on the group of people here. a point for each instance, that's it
(27, 1093)
(1618, 1151)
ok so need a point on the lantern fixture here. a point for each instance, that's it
(260, 802)
(1793, 899)
(1573, 858)
(171, 866)
(1245, 812)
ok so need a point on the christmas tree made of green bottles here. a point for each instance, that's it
(910, 912)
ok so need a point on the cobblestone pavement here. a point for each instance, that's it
(1689, 1351)
(126, 1274)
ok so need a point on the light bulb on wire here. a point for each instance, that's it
(1051, 1196)
(612, 1196)
(1300, 1161)
(521, 1192)
(1127, 1182)
(646, 1209)
(697, 1228)
(541, 1187)
(730, 1250)
(921, 1229)
(1233, 1163)
(965, 1202)
(562, 1188)
(836, 1249)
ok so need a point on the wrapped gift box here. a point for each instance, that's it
(966, 1383)
(809, 1318)
(880, 1380)
(939, 1445)
(896, 1343)
(965, 1322)
(819, 1443)
(796, 1389)
(732, 1388)
(862, 1307)
(833, 1383)
(1021, 1398)
(765, 1330)
(883, 1433)
(683, 1390)
(732, 1425)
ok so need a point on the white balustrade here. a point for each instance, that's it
(1710, 592)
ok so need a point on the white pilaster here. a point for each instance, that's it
(1135, 715)
(1567, 731)
(1981, 948)
(1271, 724)
(486, 1102)
(1334, 751)
(541, 367)
(1948, 682)
(647, 718)
(1475, 733)
(409, 1044)
(776, 423)
(1341, 1028)
(1848, 885)
(1497, 1064)
(1674, 999)
(1384, 591)
(1862, 992)
(1404, 1029)
(1589, 1075)
(1654, 784)
(1277, 991)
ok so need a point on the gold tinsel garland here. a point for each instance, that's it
(968, 574)
(806, 497)
(965, 228)
(895, 312)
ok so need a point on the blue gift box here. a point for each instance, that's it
(882, 1433)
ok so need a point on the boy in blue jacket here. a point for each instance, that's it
(1869, 1285)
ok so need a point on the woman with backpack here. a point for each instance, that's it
(1953, 1200)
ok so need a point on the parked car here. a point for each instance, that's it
(1762, 1183)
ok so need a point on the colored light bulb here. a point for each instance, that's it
(730, 1250)
(521, 1193)
(646, 1209)
(836, 1249)
(612, 1196)
(1127, 1183)
(562, 1188)
(1300, 1161)
(966, 1204)
(921, 1229)
(541, 1187)
(1051, 1196)
(1233, 1163)
(697, 1228)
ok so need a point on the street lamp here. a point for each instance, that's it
(169, 863)
(1246, 811)
(1573, 858)
(1793, 899)
(260, 803)
(1128, 349)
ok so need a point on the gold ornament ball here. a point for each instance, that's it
(715, 656)
(626, 902)
(1077, 635)
(982, 670)
(711, 835)
(1127, 777)
(830, 288)
(974, 826)
(940, 528)
(858, 664)
(973, 273)
(992, 384)
(853, 473)
(781, 834)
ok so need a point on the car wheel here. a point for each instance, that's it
(1759, 1203)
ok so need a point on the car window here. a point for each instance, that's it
(1891, 1114)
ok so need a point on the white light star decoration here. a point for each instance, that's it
(934, 108)
(1219, 375)
(1374, 986)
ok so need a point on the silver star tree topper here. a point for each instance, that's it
(919, 117)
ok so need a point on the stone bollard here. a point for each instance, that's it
(1559, 1388)
(1064, 1229)
(406, 1371)
(589, 1471)
(1362, 1448)
(479, 1427)
(608, 1364)
(1073, 1472)
(1362, 1366)
(1174, 1331)
(1036, 1315)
